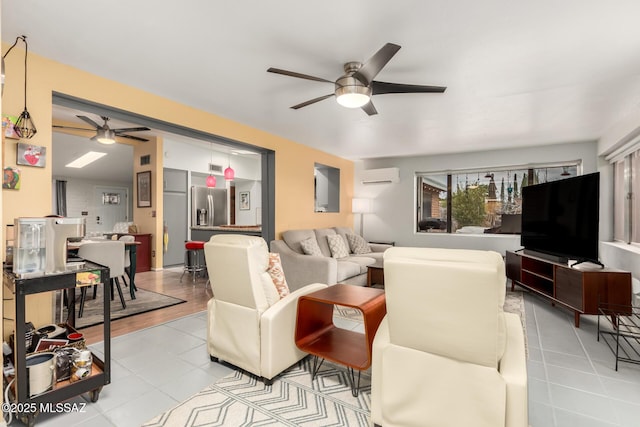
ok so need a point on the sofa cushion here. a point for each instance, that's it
(338, 246)
(321, 237)
(343, 231)
(347, 269)
(362, 261)
(358, 245)
(310, 247)
(277, 274)
(293, 238)
(378, 257)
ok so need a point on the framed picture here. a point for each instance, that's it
(144, 189)
(110, 198)
(245, 203)
(31, 155)
(11, 178)
(8, 123)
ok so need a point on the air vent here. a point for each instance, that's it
(215, 168)
(145, 160)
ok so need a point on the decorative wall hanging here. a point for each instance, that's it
(31, 155)
(8, 127)
(245, 202)
(144, 189)
(110, 198)
(11, 178)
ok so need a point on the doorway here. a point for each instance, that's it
(111, 206)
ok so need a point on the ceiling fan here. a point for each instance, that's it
(106, 135)
(355, 88)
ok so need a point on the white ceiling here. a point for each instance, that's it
(518, 73)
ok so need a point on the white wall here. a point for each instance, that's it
(249, 217)
(393, 205)
(81, 198)
(623, 134)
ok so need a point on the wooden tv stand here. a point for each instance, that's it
(578, 289)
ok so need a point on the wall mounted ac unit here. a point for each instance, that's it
(381, 176)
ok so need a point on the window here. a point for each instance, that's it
(479, 201)
(626, 206)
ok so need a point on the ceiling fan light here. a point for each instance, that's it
(352, 93)
(353, 100)
(106, 137)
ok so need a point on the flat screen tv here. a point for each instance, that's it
(561, 218)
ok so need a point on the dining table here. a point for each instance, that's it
(73, 247)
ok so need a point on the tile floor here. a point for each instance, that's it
(572, 377)
(572, 381)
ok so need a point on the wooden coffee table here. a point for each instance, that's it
(317, 335)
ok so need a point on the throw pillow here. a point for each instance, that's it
(358, 245)
(277, 274)
(337, 246)
(310, 247)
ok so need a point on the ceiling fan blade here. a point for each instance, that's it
(137, 138)
(369, 109)
(88, 120)
(372, 67)
(380, 88)
(312, 101)
(298, 75)
(138, 129)
(70, 127)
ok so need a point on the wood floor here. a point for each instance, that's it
(165, 282)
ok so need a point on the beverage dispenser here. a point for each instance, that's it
(30, 253)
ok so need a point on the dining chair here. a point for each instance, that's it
(109, 253)
(127, 257)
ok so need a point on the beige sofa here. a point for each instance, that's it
(301, 269)
(446, 354)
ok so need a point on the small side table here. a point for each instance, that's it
(317, 335)
(375, 274)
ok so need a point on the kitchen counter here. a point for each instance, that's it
(204, 233)
(253, 228)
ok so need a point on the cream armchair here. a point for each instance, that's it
(248, 325)
(446, 354)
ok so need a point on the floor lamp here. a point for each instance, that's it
(361, 206)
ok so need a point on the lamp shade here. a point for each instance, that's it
(211, 181)
(361, 205)
(229, 173)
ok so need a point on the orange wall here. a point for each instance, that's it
(294, 162)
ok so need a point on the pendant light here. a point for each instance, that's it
(229, 173)
(24, 127)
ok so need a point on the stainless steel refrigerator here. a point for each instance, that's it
(208, 206)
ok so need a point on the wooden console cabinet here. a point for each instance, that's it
(144, 252)
(578, 289)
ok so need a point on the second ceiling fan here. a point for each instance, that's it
(106, 135)
(355, 88)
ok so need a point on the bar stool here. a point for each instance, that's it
(194, 261)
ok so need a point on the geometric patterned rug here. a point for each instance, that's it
(240, 399)
(293, 400)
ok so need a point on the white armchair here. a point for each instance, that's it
(248, 325)
(446, 354)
